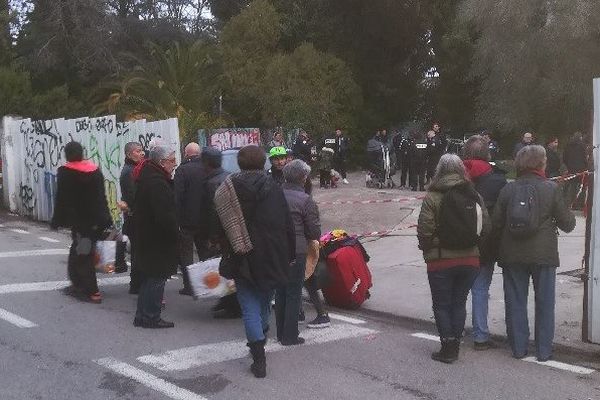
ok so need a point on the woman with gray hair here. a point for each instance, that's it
(305, 216)
(451, 221)
(526, 218)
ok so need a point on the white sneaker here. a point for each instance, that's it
(345, 181)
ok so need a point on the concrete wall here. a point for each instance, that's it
(32, 151)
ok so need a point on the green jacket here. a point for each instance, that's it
(542, 247)
(428, 222)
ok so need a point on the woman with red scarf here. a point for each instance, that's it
(530, 249)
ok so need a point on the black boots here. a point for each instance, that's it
(259, 365)
(449, 351)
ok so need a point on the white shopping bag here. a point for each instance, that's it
(206, 281)
(104, 258)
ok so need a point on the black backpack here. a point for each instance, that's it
(460, 219)
(523, 212)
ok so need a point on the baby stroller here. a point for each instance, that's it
(379, 174)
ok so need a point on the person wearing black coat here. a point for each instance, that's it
(134, 154)
(401, 147)
(190, 200)
(302, 147)
(81, 205)
(260, 244)
(552, 158)
(341, 147)
(157, 234)
(417, 155)
(489, 181)
(228, 305)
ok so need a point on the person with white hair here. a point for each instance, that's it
(526, 218)
(157, 233)
(453, 217)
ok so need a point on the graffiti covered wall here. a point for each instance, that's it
(32, 151)
(234, 138)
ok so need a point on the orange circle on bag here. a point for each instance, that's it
(212, 279)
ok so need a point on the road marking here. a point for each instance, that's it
(21, 231)
(197, 356)
(32, 253)
(426, 336)
(149, 380)
(344, 318)
(56, 285)
(47, 239)
(559, 365)
(15, 319)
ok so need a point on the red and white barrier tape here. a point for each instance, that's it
(378, 201)
(565, 178)
(384, 233)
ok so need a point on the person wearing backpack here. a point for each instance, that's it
(453, 218)
(526, 218)
(488, 180)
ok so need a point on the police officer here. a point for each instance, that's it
(417, 154)
(401, 146)
(302, 147)
(436, 148)
(340, 145)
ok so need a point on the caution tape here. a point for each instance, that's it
(565, 178)
(378, 201)
(384, 233)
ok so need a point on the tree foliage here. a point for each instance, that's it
(536, 74)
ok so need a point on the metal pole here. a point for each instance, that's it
(593, 283)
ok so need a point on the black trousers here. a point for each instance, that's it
(135, 275)
(187, 240)
(324, 177)
(339, 164)
(416, 176)
(402, 168)
(80, 265)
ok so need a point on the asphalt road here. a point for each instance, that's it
(54, 347)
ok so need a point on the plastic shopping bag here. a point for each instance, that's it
(206, 281)
(104, 257)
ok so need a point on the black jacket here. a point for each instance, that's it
(339, 144)
(81, 201)
(417, 151)
(190, 199)
(574, 156)
(270, 228)
(302, 149)
(489, 186)
(436, 147)
(277, 175)
(127, 184)
(214, 179)
(155, 222)
(552, 163)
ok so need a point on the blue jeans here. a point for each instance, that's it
(150, 299)
(256, 309)
(480, 294)
(449, 291)
(288, 301)
(516, 290)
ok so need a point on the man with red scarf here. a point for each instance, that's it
(488, 181)
(81, 205)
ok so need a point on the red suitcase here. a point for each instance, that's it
(349, 278)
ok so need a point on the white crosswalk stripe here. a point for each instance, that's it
(197, 356)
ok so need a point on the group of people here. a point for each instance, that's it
(417, 155)
(331, 160)
(472, 218)
(263, 224)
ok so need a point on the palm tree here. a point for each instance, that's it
(179, 81)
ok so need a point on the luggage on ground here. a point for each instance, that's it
(349, 277)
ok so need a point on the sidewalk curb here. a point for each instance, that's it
(562, 352)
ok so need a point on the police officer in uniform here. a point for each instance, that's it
(417, 154)
(340, 145)
(401, 146)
